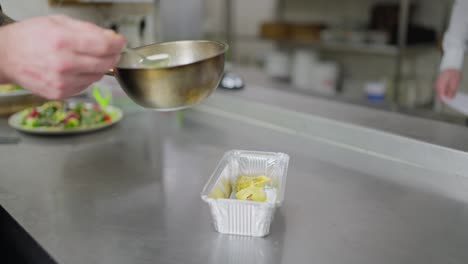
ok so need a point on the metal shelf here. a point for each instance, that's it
(364, 48)
(397, 52)
(375, 49)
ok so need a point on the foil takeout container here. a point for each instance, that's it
(239, 217)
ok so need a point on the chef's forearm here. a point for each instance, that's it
(456, 37)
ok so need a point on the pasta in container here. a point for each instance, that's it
(245, 190)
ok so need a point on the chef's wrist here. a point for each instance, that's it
(452, 59)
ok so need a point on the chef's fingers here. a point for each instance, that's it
(61, 87)
(79, 64)
(87, 38)
(83, 81)
(440, 85)
(447, 84)
(76, 84)
(452, 86)
(99, 43)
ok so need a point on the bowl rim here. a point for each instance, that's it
(224, 49)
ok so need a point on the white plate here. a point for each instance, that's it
(459, 103)
(14, 96)
(15, 122)
(14, 93)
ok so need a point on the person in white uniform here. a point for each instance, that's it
(454, 45)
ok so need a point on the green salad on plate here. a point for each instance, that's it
(61, 115)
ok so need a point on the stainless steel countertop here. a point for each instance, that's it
(131, 194)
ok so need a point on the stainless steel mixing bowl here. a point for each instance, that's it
(194, 71)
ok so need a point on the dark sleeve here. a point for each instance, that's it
(4, 19)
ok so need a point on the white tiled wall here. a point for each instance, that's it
(101, 15)
(22, 9)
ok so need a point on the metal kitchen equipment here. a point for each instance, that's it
(193, 73)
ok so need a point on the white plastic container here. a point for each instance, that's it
(277, 65)
(324, 78)
(302, 65)
(375, 91)
(250, 218)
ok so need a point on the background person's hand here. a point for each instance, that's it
(56, 56)
(447, 83)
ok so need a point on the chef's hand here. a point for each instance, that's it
(447, 83)
(56, 56)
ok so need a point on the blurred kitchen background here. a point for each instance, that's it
(380, 54)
